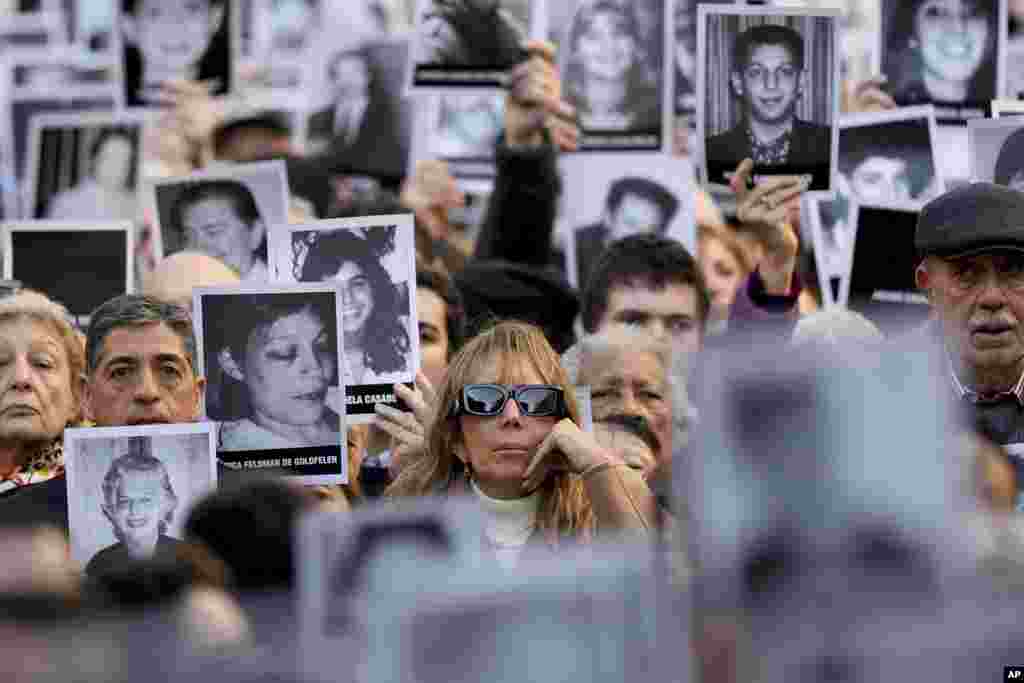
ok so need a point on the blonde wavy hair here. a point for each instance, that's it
(28, 303)
(565, 509)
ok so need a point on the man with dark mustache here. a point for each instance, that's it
(972, 243)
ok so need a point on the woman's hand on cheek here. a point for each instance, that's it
(567, 448)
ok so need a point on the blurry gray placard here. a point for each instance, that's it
(804, 457)
(600, 615)
(367, 567)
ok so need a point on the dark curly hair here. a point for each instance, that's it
(485, 37)
(385, 339)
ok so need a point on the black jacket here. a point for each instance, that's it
(810, 151)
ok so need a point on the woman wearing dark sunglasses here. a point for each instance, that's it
(506, 431)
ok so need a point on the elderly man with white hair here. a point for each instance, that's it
(638, 394)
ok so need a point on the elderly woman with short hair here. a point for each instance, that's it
(42, 360)
(506, 431)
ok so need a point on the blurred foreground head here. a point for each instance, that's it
(177, 275)
(826, 496)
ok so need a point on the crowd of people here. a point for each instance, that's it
(507, 350)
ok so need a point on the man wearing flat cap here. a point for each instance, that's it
(972, 245)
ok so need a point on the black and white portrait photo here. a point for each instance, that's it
(163, 40)
(611, 55)
(770, 84)
(461, 129)
(880, 283)
(997, 151)
(272, 356)
(277, 43)
(945, 52)
(683, 52)
(615, 195)
(371, 261)
(469, 43)
(131, 488)
(363, 122)
(28, 102)
(79, 263)
(84, 166)
(890, 157)
(224, 214)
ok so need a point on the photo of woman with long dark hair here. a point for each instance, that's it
(941, 51)
(375, 310)
(607, 72)
(275, 358)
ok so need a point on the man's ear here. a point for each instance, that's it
(257, 231)
(200, 390)
(737, 83)
(86, 402)
(922, 278)
(801, 83)
(229, 366)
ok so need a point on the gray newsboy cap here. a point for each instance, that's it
(971, 219)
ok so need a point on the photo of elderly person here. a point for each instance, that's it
(1009, 168)
(139, 502)
(107, 191)
(771, 89)
(609, 74)
(276, 358)
(470, 33)
(41, 366)
(506, 432)
(375, 309)
(941, 51)
(173, 39)
(219, 218)
(890, 161)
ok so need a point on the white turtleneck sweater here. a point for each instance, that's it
(508, 524)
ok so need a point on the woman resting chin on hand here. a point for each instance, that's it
(506, 432)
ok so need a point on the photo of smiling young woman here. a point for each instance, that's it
(945, 52)
(371, 261)
(612, 56)
(167, 39)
